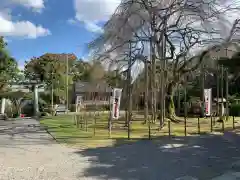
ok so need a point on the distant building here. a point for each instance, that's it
(225, 52)
(19, 87)
(24, 88)
(92, 92)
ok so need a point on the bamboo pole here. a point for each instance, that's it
(169, 129)
(199, 130)
(233, 122)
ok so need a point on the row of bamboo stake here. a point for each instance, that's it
(83, 123)
(212, 123)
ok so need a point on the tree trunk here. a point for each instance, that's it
(129, 79)
(227, 102)
(146, 92)
(17, 106)
(19, 110)
(153, 83)
(171, 113)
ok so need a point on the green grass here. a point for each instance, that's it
(65, 130)
(205, 126)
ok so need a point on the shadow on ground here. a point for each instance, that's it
(203, 157)
(23, 132)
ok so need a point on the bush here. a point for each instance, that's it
(92, 107)
(234, 110)
(105, 107)
(28, 110)
(45, 114)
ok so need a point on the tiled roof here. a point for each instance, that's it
(92, 87)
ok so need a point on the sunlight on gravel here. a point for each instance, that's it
(35, 156)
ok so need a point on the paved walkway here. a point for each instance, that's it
(28, 152)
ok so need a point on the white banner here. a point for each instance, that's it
(79, 100)
(117, 93)
(208, 101)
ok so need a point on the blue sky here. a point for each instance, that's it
(35, 27)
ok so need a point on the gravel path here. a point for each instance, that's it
(30, 153)
(27, 152)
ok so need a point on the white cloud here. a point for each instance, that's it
(92, 27)
(6, 13)
(21, 29)
(37, 5)
(91, 12)
(71, 21)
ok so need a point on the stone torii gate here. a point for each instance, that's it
(33, 86)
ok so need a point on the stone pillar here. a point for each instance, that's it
(3, 105)
(36, 107)
(222, 109)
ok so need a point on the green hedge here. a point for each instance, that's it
(93, 107)
(234, 110)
